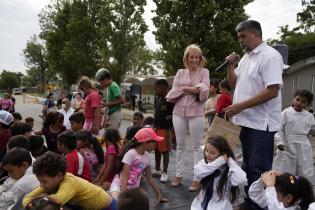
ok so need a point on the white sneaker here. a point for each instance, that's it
(156, 173)
(164, 178)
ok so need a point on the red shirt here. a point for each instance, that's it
(77, 165)
(91, 102)
(224, 101)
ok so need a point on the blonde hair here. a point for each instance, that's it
(190, 48)
(85, 82)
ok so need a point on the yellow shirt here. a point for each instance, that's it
(75, 190)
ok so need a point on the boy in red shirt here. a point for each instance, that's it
(76, 164)
(225, 98)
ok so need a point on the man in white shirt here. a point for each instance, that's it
(257, 98)
(67, 111)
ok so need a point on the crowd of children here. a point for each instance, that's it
(55, 168)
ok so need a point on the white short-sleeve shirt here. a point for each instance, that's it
(256, 71)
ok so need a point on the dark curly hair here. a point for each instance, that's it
(50, 164)
(304, 94)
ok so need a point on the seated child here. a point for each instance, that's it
(219, 176)
(137, 120)
(37, 146)
(225, 99)
(21, 128)
(135, 161)
(131, 133)
(16, 117)
(44, 203)
(6, 120)
(18, 163)
(21, 142)
(77, 121)
(76, 164)
(133, 199)
(30, 121)
(91, 150)
(107, 173)
(276, 191)
(65, 188)
(148, 122)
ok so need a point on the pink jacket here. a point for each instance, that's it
(188, 105)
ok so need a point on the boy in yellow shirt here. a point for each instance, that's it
(65, 188)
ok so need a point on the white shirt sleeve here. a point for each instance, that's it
(236, 174)
(272, 199)
(256, 192)
(203, 169)
(7, 184)
(271, 70)
(279, 136)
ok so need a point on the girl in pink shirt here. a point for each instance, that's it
(6, 103)
(189, 92)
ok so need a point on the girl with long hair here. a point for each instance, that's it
(219, 176)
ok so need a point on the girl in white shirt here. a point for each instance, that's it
(281, 191)
(219, 176)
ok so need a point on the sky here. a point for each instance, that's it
(19, 21)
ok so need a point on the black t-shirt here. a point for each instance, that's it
(163, 113)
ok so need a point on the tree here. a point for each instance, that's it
(10, 80)
(70, 38)
(124, 32)
(208, 23)
(306, 18)
(144, 62)
(35, 58)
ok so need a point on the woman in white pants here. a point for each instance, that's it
(189, 92)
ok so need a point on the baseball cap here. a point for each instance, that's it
(147, 134)
(6, 117)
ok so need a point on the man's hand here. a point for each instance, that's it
(233, 59)
(233, 110)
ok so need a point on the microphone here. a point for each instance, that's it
(223, 65)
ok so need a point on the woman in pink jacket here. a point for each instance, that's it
(189, 92)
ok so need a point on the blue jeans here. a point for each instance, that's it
(257, 148)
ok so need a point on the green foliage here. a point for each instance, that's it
(144, 62)
(10, 80)
(84, 35)
(306, 18)
(35, 58)
(208, 23)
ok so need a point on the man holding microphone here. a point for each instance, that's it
(256, 107)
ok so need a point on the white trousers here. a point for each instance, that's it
(181, 126)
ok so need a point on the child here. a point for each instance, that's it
(30, 121)
(76, 164)
(281, 191)
(77, 121)
(65, 188)
(37, 146)
(16, 117)
(225, 98)
(53, 126)
(18, 163)
(135, 161)
(294, 148)
(148, 122)
(211, 103)
(131, 133)
(21, 128)
(163, 126)
(137, 120)
(44, 203)
(219, 176)
(6, 120)
(107, 173)
(133, 199)
(91, 151)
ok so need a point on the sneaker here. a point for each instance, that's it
(156, 173)
(164, 177)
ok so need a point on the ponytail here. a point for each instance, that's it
(98, 150)
(307, 196)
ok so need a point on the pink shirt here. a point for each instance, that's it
(91, 101)
(6, 103)
(188, 105)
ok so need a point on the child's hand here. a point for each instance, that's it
(269, 179)
(280, 147)
(276, 173)
(162, 199)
